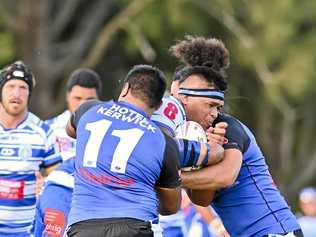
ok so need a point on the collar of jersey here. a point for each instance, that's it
(133, 107)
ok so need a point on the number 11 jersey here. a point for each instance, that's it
(121, 155)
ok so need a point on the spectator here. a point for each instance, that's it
(307, 202)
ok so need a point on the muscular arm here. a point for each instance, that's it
(168, 185)
(201, 197)
(225, 172)
(169, 200)
(217, 176)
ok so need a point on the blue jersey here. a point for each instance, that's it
(253, 206)
(23, 151)
(121, 156)
(53, 206)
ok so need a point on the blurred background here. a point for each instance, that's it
(271, 77)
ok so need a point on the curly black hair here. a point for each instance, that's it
(200, 55)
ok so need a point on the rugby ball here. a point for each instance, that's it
(193, 131)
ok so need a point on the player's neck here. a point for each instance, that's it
(138, 103)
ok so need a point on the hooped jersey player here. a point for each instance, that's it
(53, 205)
(65, 145)
(23, 151)
(128, 157)
(170, 116)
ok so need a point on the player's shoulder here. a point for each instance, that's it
(59, 120)
(34, 122)
(170, 115)
(34, 125)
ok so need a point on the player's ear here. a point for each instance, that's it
(125, 90)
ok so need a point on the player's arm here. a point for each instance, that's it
(168, 185)
(225, 172)
(75, 117)
(194, 154)
(201, 197)
(214, 222)
(49, 169)
(217, 176)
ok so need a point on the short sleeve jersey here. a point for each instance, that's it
(121, 156)
(64, 144)
(23, 151)
(170, 115)
(253, 205)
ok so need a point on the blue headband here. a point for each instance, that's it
(209, 93)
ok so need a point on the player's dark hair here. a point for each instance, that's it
(147, 83)
(85, 77)
(202, 56)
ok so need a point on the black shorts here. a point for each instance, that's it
(297, 233)
(111, 227)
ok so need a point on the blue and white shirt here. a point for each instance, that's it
(65, 145)
(170, 114)
(23, 150)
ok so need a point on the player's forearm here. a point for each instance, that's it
(206, 178)
(216, 176)
(216, 154)
(202, 198)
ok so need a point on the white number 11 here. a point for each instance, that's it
(128, 141)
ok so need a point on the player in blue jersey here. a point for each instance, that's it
(83, 84)
(53, 206)
(126, 169)
(26, 147)
(54, 203)
(246, 199)
(173, 112)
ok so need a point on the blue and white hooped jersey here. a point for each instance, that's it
(23, 151)
(63, 175)
(170, 115)
(65, 145)
(121, 155)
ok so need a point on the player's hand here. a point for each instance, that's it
(38, 183)
(217, 134)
